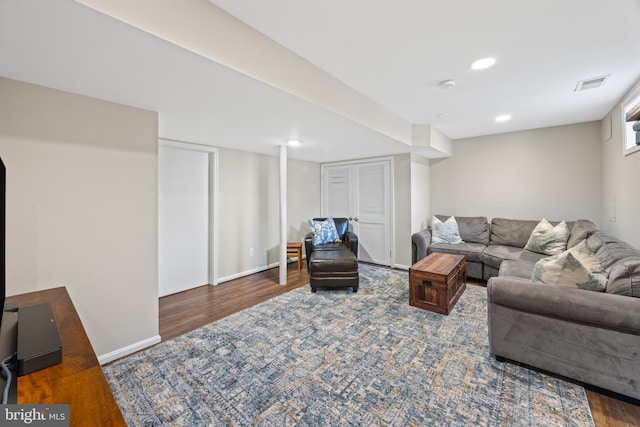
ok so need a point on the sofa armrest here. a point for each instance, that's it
(602, 310)
(420, 241)
(308, 246)
(351, 239)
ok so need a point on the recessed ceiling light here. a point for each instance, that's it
(483, 63)
(503, 118)
(293, 142)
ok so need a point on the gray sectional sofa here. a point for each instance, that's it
(474, 231)
(486, 244)
(591, 337)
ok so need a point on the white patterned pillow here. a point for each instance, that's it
(445, 232)
(577, 267)
(324, 231)
(547, 239)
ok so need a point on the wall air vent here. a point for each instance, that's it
(591, 83)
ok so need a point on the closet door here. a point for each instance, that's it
(373, 212)
(187, 216)
(336, 196)
(361, 191)
(183, 219)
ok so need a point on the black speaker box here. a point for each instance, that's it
(39, 344)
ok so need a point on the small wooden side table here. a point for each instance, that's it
(294, 249)
(437, 281)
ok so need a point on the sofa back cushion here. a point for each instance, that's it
(620, 260)
(342, 226)
(610, 250)
(516, 232)
(512, 232)
(582, 229)
(473, 229)
(624, 277)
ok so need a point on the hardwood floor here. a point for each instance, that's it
(612, 412)
(185, 311)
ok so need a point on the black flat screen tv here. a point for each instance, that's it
(3, 189)
(8, 321)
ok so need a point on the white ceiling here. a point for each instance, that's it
(393, 52)
(396, 52)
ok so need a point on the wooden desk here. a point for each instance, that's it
(294, 249)
(78, 380)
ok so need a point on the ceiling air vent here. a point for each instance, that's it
(591, 83)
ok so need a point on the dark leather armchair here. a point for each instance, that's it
(333, 265)
(349, 239)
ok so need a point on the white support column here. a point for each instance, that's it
(283, 214)
(214, 192)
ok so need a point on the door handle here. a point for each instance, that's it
(355, 219)
(350, 218)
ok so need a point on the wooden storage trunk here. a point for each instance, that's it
(437, 281)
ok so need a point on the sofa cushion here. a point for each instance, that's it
(324, 231)
(547, 239)
(515, 232)
(609, 250)
(333, 262)
(574, 268)
(582, 229)
(471, 251)
(511, 232)
(599, 238)
(516, 268)
(445, 232)
(493, 255)
(473, 229)
(624, 277)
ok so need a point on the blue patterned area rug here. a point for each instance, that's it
(338, 358)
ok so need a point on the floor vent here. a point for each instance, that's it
(591, 83)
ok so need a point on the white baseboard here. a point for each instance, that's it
(130, 349)
(247, 272)
(402, 267)
(256, 270)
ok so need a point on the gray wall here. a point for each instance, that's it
(249, 208)
(621, 175)
(553, 172)
(82, 208)
(402, 210)
(420, 193)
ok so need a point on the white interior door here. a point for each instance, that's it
(373, 212)
(337, 191)
(186, 217)
(361, 191)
